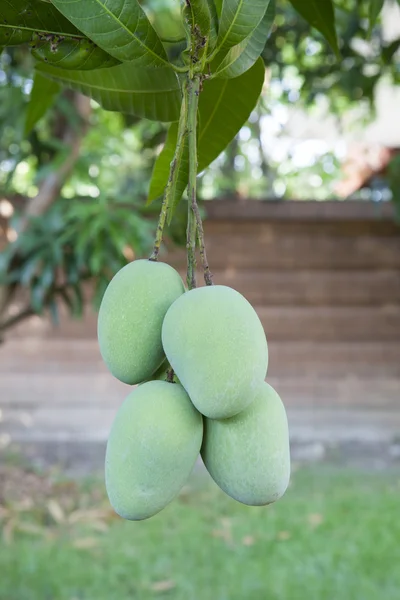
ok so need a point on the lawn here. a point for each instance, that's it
(335, 536)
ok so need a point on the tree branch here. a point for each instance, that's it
(25, 313)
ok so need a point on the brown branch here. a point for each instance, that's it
(25, 313)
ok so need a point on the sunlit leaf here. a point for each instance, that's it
(243, 56)
(120, 27)
(238, 20)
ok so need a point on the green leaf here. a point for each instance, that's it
(42, 97)
(52, 37)
(239, 18)
(218, 7)
(375, 7)
(120, 27)
(320, 14)
(243, 56)
(198, 16)
(152, 94)
(37, 294)
(20, 20)
(29, 269)
(71, 53)
(214, 24)
(224, 106)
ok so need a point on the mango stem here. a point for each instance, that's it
(195, 225)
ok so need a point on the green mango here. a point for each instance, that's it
(131, 315)
(216, 344)
(153, 445)
(248, 455)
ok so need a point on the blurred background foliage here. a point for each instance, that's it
(68, 217)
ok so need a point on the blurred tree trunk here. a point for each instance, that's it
(71, 135)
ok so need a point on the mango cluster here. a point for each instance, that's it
(215, 401)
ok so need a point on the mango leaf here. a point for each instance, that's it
(147, 93)
(52, 37)
(198, 16)
(239, 18)
(42, 97)
(218, 7)
(224, 106)
(243, 56)
(20, 19)
(120, 27)
(320, 14)
(71, 53)
(198, 13)
(213, 24)
(375, 8)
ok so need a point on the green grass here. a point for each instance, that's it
(334, 536)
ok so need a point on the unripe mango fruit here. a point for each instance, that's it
(131, 316)
(216, 344)
(248, 455)
(153, 445)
